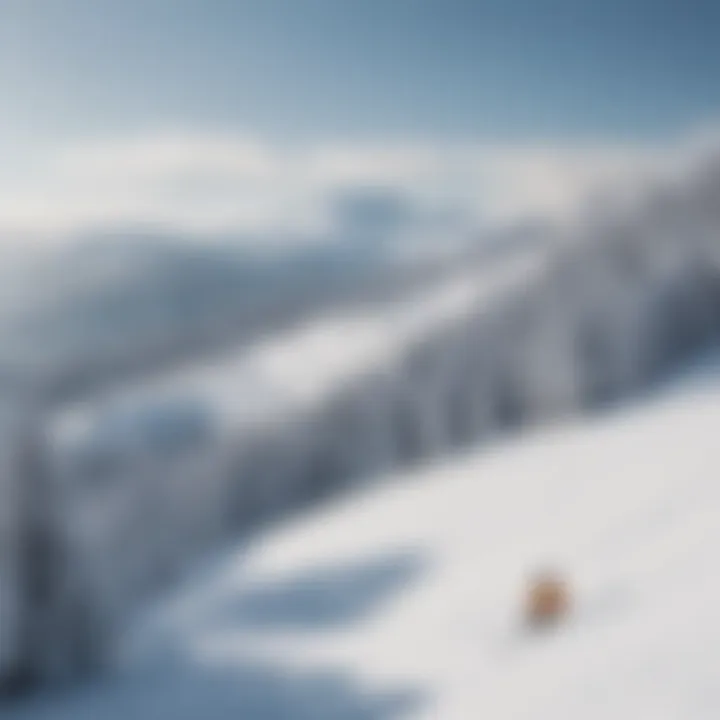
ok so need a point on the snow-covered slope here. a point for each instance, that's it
(403, 600)
(344, 399)
(146, 483)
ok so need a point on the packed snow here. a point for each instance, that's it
(403, 599)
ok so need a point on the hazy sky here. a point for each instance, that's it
(503, 72)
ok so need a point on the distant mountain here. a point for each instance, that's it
(124, 301)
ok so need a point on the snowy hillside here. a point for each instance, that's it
(119, 304)
(139, 483)
(403, 600)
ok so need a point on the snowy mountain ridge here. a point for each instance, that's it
(542, 336)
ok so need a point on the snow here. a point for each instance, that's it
(280, 374)
(402, 599)
(406, 595)
(306, 411)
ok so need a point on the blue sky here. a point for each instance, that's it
(509, 72)
(501, 68)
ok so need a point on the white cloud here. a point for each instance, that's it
(203, 182)
(168, 155)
